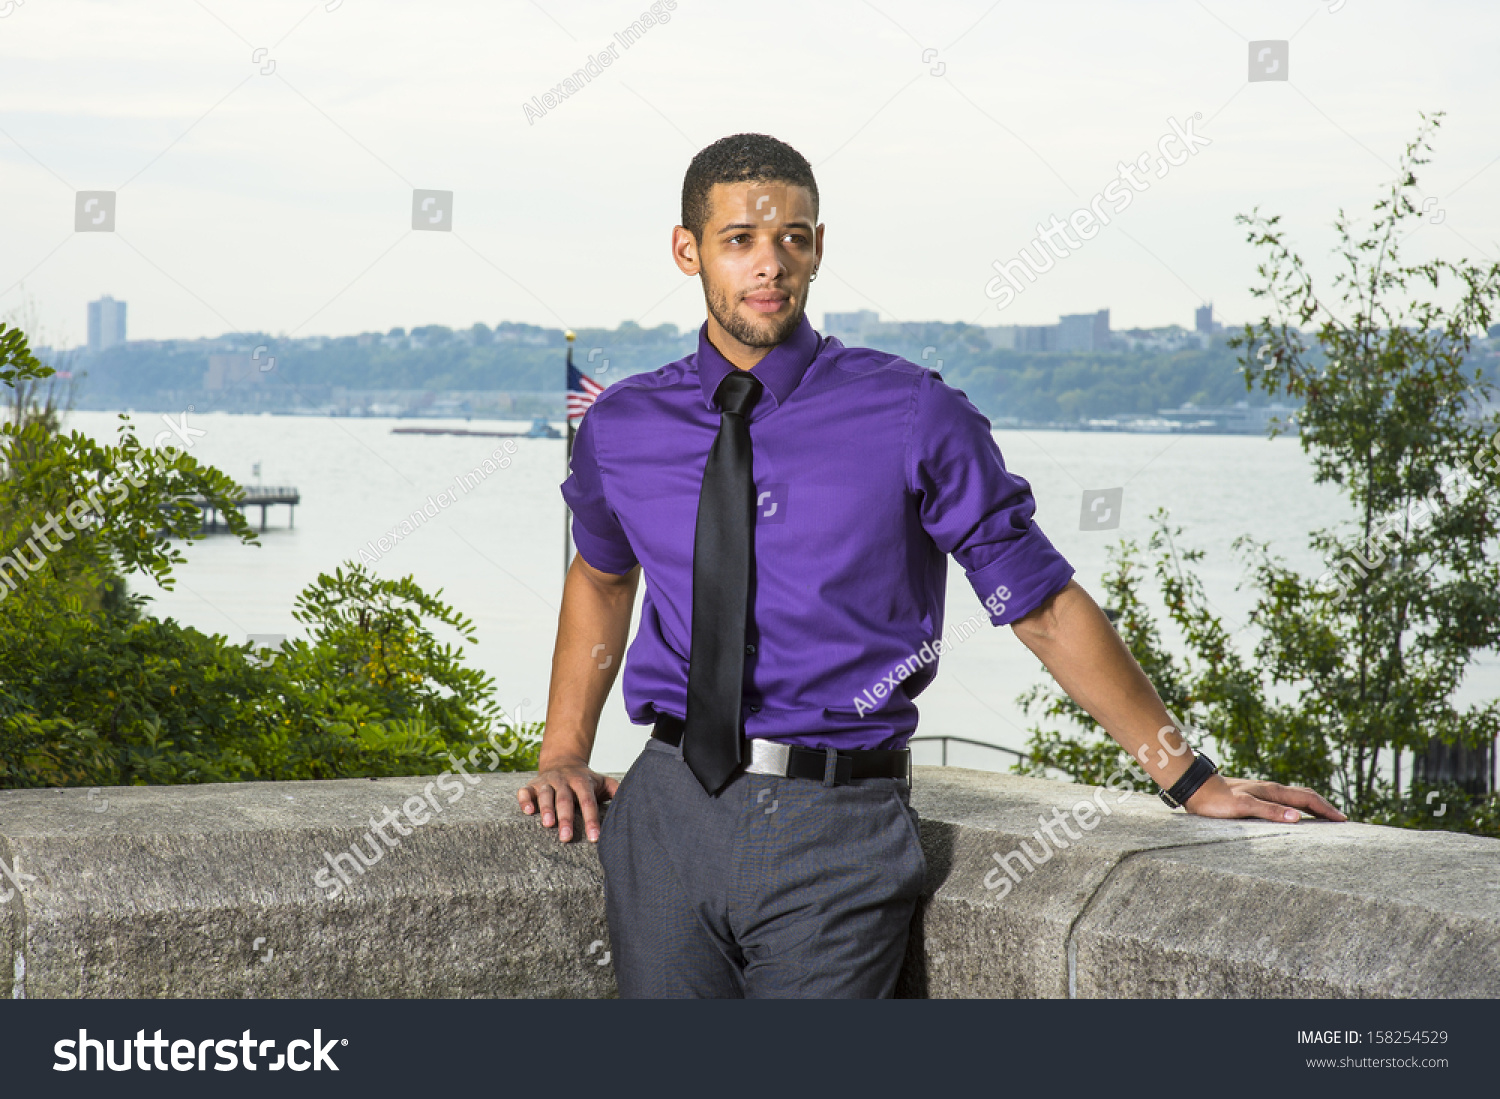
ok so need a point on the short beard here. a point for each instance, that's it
(743, 330)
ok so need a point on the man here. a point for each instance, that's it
(792, 503)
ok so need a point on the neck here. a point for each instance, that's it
(739, 355)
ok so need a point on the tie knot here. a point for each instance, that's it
(738, 392)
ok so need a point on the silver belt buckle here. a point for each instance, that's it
(768, 758)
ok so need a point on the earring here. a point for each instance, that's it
(814, 276)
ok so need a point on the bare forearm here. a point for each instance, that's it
(592, 630)
(1091, 662)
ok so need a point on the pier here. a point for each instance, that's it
(260, 496)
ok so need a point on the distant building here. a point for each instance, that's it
(230, 371)
(1083, 332)
(1237, 419)
(853, 324)
(1023, 337)
(1203, 320)
(1002, 337)
(1036, 337)
(106, 324)
(1075, 332)
(1172, 338)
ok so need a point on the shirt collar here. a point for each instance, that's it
(779, 372)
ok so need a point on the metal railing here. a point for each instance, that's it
(965, 740)
(254, 494)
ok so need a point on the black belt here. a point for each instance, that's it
(845, 765)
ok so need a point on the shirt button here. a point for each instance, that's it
(754, 709)
(750, 649)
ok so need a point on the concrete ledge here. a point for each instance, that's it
(184, 890)
(210, 891)
(1153, 903)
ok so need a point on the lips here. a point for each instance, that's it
(766, 301)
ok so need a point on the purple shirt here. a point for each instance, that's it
(869, 470)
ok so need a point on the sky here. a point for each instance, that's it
(263, 157)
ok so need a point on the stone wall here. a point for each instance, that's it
(211, 891)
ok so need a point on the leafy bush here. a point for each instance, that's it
(95, 692)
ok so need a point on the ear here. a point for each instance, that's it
(685, 251)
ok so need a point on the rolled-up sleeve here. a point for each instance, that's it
(975, 509)
(596, 529)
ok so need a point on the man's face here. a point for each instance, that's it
(757, 255)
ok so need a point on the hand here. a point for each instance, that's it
(1243, 797)
(555, 790)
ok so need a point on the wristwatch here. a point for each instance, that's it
(1186, 786)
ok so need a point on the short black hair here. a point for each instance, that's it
(741, 158)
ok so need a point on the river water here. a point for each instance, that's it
(497, 552)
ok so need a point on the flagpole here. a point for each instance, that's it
(567, 461)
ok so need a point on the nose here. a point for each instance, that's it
(768, 258)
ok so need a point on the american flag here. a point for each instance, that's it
(582, 390)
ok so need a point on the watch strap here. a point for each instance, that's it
(1198, 772)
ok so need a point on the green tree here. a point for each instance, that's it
(1364, 661)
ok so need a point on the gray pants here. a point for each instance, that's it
(776, 887)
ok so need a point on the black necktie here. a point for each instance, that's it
(712, 742)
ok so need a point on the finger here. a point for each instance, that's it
(527, 799)
(1299, 797)
(545, 797)
(590, 807)
(564, 813)
(1309, 800)
(610, 786)
(1270, 810)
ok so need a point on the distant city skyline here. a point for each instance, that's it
(1075, 332)
(1170, 375)
(270, 167)
(1071, 332)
